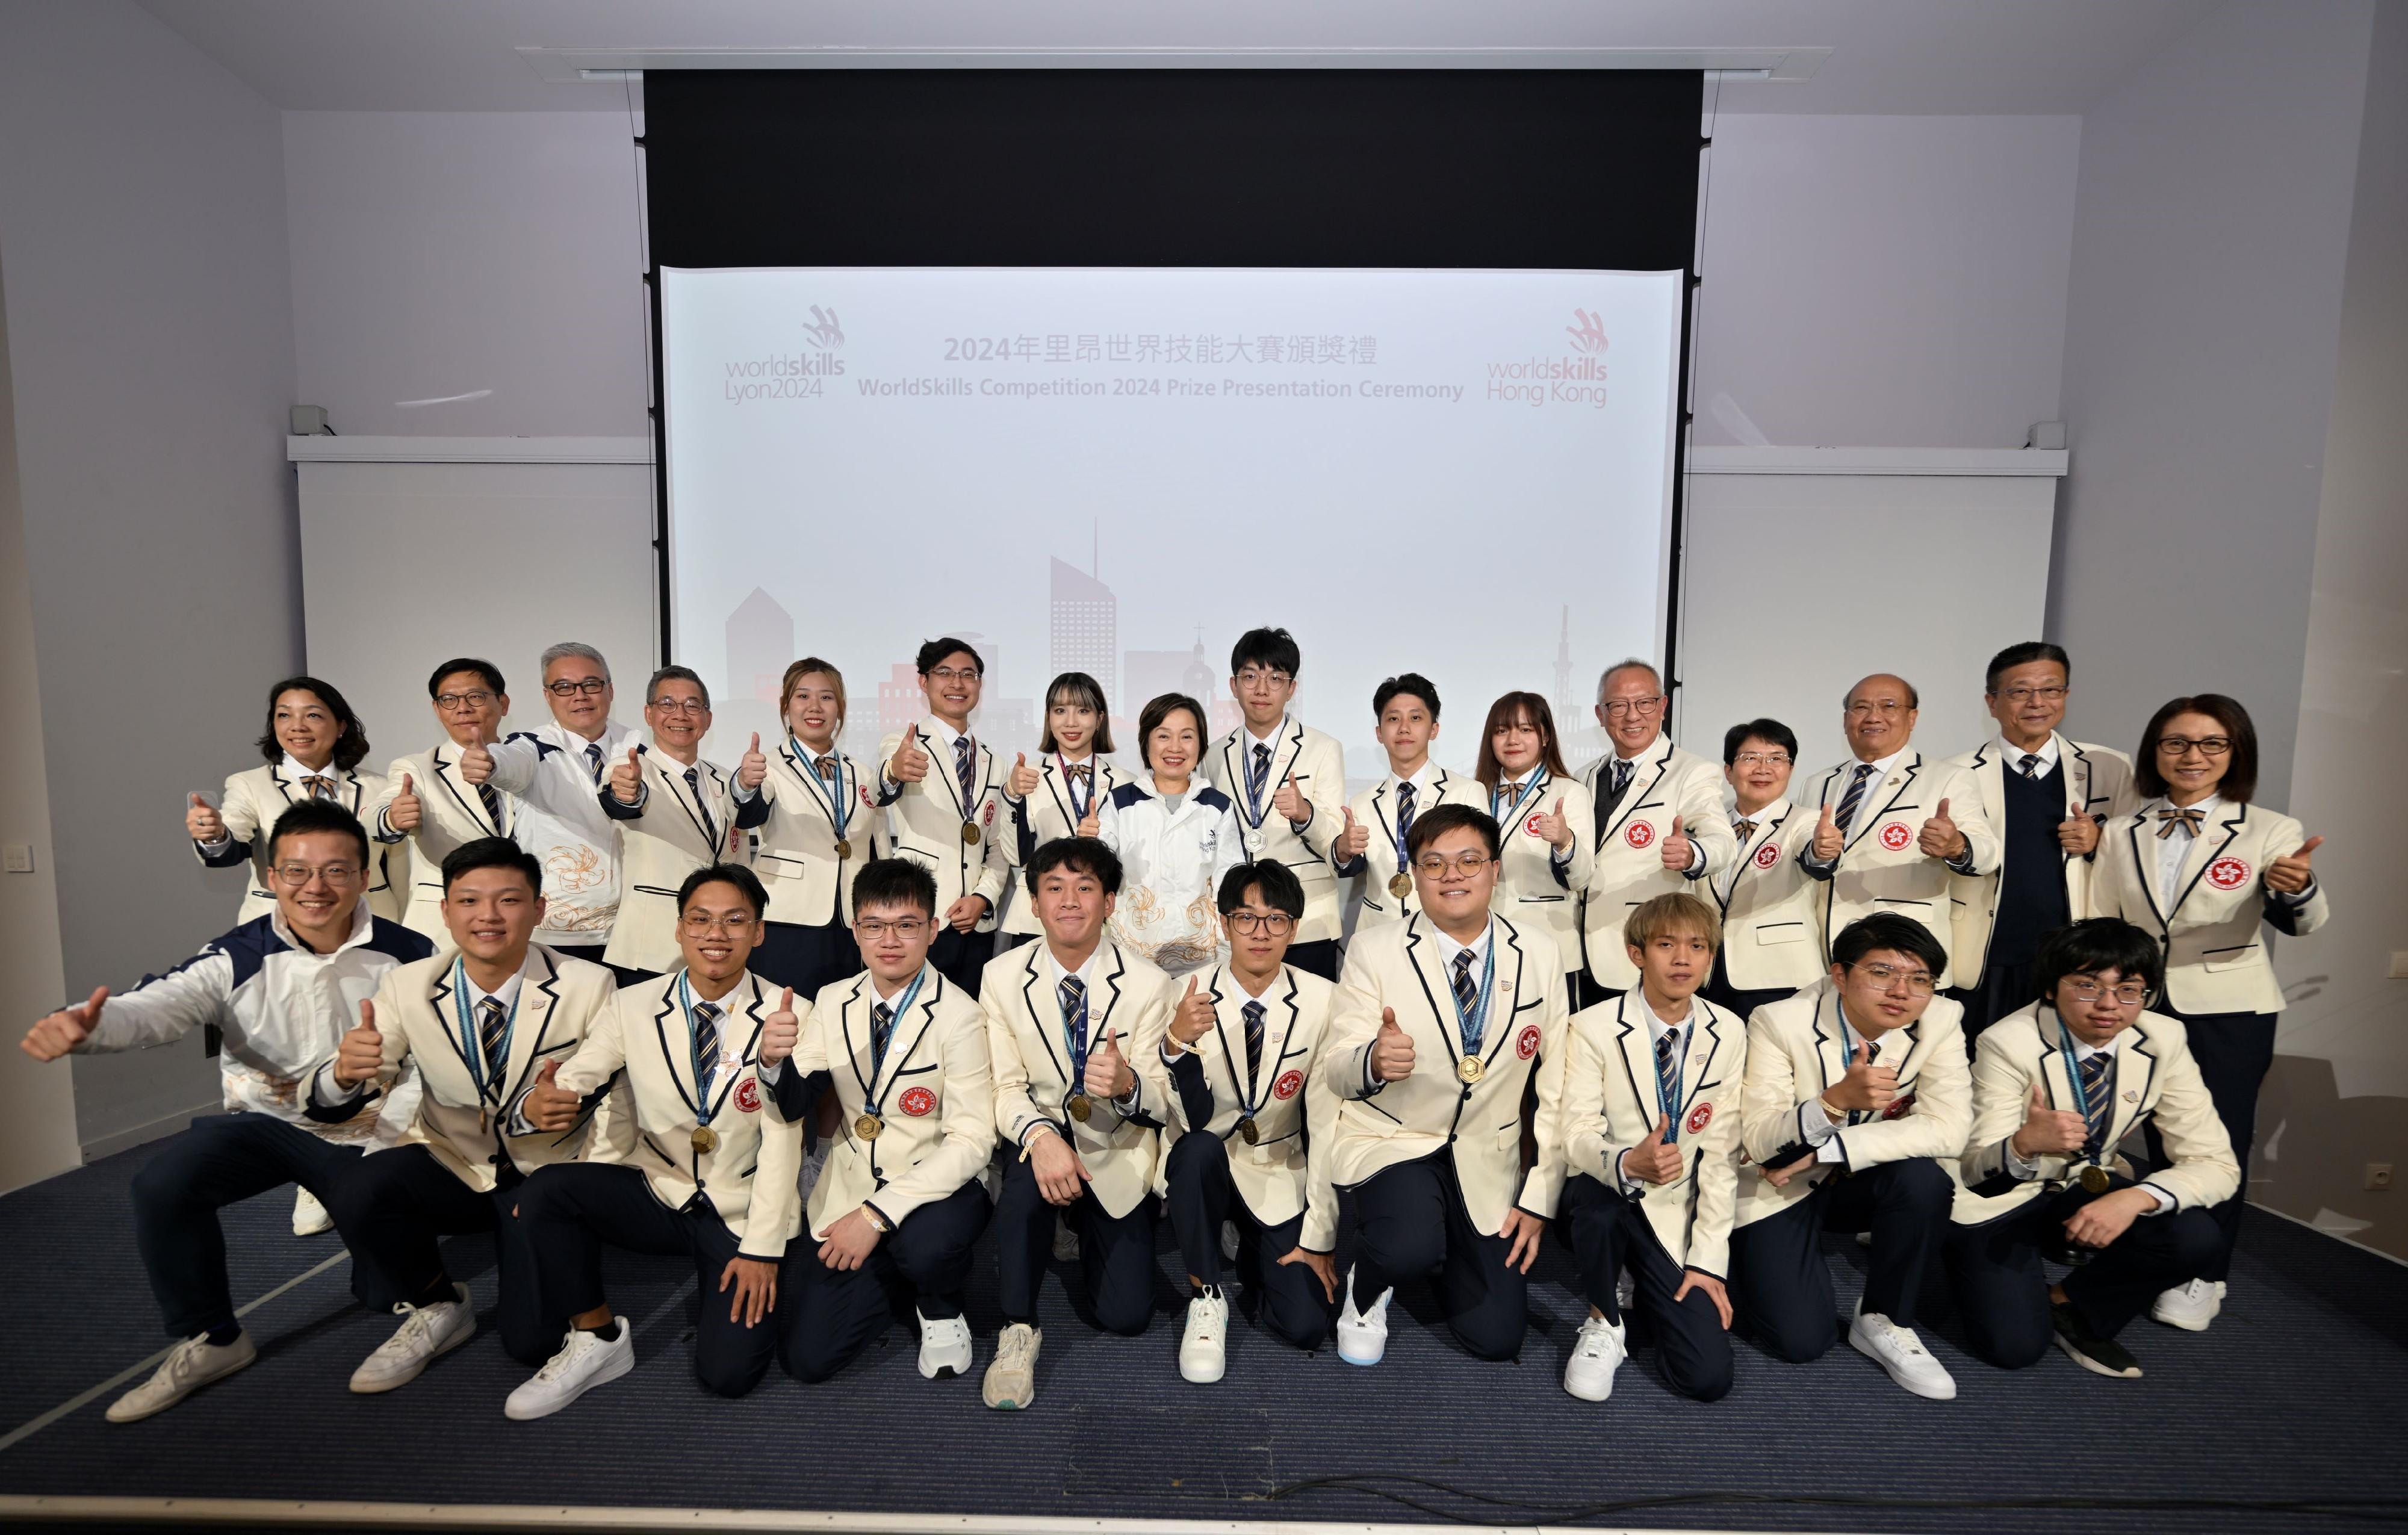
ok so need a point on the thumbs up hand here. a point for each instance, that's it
(548, 1106)
(1941, 839)
(1829, 844)
(477, 764)
(910, 763)
(64, 1030)
(1291, 802)
(2291, 874)
(1354, 837)
(407, 811)
(781, 1030)
(1678, 852)
(1107, 1071)
(1392, 1050)
(1092, 824)
(1557, 827)
(752, 766)
(1653, 1160)
(627, 779)
(360, 1055)
(1023, 779)
(2077, 834)
(2048, 1132)
(202, 822)
(1866, 1086)
(1192, 1017)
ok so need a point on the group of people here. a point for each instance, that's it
(582, 988)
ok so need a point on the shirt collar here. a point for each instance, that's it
(1246, 729)
(871, 985)
(1881, 767)
(2015, 754)
(2082, 1050)
(1421, 780)
(943, 731)
(506, 993)
(362, 919)
(1765, 816)
(1646, 753)
(1657, 1027)
(1086, 972)
(1477, 948)
(2208, 809)
(291, 771)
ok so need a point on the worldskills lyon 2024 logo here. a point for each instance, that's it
(1576, 377)
(798, 374)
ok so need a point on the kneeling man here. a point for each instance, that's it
(2057, 1086)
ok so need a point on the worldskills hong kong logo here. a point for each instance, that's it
(1574, 374)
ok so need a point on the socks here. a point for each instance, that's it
(607, 1331)
(220, 1337)
(943, 1307)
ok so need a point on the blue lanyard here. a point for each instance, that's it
(2074, 1080)
(1255, 813)
(1679, 1035)
(895, 1011)
(1463, 1021)
(1071, 785)
(1522, 792)
(702, 1106)
(839, 804)
(470, 1045)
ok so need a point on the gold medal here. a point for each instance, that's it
(843, 848)
(705, 1139)
(1081, 1106)
(970, 833)
(1400, 884)
(2094, 1179)
(1247, 1132)
(1471, 1068)
(868, 1127)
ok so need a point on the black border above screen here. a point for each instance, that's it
(1545, 169)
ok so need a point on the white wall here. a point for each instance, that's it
(2339, 1087)
(440, 254)
(1885, 282)
(150, 347)
(2208, 250)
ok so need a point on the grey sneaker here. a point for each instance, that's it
(426, 1332)
(1011, 1379)
(189, 1366)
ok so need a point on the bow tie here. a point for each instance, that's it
(1082, 772)
(2169, 820)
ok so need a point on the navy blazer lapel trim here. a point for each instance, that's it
(1449, 1027)
(550, 986)
(927, 1007)
(2231, 825)
(681, 1071)
(439, 995)
(1913, 766)
(1638, 1095)
(1039, 1016)
(472, 806)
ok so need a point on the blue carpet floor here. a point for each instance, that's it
(2295, 1394)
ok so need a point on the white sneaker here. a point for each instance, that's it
(1204, 1347)
(1597, 1352)
(1066, 1243)
(189, 1366)
(1898, 1351)
(944, 1347)
(1011, 1379)
(585, 1361)
(1228, 1241)
(1362, 1337)
(425, 1333)
(309, 1217)
(2190, 1307)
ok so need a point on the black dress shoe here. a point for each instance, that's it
(2099, 1355)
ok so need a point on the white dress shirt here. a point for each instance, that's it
(2012, 756)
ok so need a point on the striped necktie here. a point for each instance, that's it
(694, 787)
(881, 1031)
(1853, 798)
(1466, 998)
(593, 759)
(1667, 1070)
(965, 769)
(493, 1025)
(1253, 1013)
(706, 1048)
(2030, 766)
(1404, 810)
(1072, 993)
(490, 798)
(2098, 1098)
(1257, 770)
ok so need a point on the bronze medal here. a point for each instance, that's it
(2094, 1179)
(843, 848)
(705, 1140)
(970, 833)
(1247, 1131)
(1081, 1106)
(868, 1127)
(1399, 884)
(1471, 1068)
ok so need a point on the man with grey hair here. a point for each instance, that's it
(1661, 828)
(676, 813)
(556, 772)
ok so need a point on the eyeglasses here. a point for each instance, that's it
(1257, 677)
(1433, 866)
(2209, 746)
(568, 686)
(954, 674)
(2026, 694)
(1268, 923)
(1875, 706)
(1761, 759)
(681, 706)
(1624, 708)
(872, 929)
(700, 924)
(449, 701)
(1889, 977)
(337, 876)
(2131, 994)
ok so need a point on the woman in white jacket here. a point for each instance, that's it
(1176, 836)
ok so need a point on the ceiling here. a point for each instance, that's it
(1884, 57)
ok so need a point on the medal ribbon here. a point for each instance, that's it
(702, 1105)
(471, 1045)
(1253, 1092)
(2094, 1132)
(1669, 1097)
(875, 1108)
(1473, 1022)
(1524, 793)
(839, 804)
